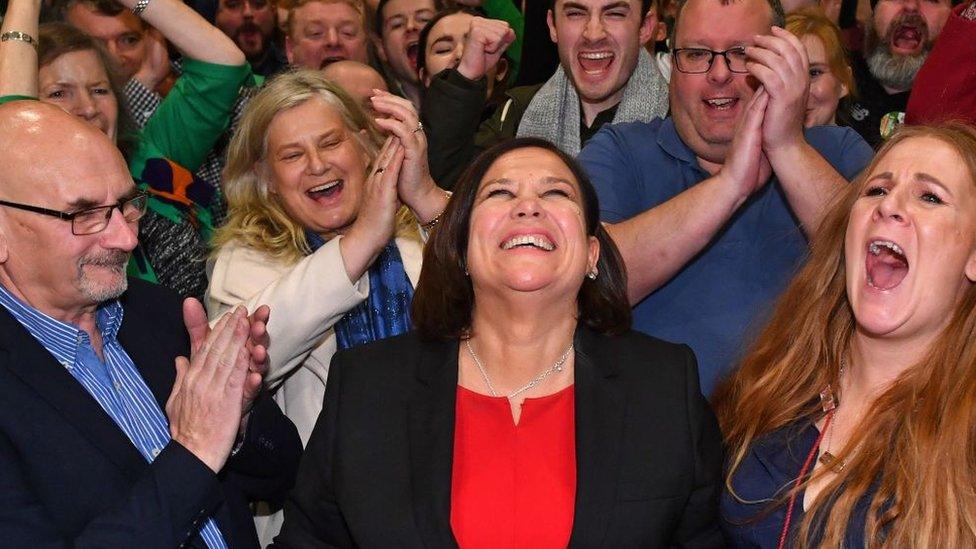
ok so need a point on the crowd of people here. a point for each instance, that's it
(488, 273)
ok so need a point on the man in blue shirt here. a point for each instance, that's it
(711, 207)
(103, 443)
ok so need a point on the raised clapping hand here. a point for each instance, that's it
(746, 164)
(376, 219)
(486, 41)
(380, 202)
(780, 63)
(415, 186)
(208, 398)
(195, 319)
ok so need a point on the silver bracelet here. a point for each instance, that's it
(19, 36)
(141, 6)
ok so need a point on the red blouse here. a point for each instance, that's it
(513, 485)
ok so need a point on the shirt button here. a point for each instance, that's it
(118, 386)
(155, 452)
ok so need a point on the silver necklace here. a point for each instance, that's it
(556, 367)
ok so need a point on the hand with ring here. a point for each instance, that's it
(376, 221)
(416, 188)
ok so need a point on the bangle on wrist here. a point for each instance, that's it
(19, 37)
(140, 7)
(437, 218)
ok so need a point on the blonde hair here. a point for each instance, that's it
(812, 21)
(916, 445)
(255, 217)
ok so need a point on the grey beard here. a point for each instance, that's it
(100, 294)
(115, 261)
(896, 72)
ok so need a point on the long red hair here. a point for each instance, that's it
(916, 446)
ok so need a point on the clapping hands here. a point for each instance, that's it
(780, 63)
(217, 385)
(415, 187)
(773, 119)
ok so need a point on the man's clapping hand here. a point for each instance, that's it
(218, 383)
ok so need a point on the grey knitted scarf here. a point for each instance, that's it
(554, 112)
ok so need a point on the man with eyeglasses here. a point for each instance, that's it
(109, 436)
(711, 207)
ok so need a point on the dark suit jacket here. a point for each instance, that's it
(377, 470)
(69, 476)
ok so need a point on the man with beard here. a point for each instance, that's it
(397, 27)
(710, 207)
(897, 41)
(323, 31)
(605, 75)
(103, 442)
(251, 24)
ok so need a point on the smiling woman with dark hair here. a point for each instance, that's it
(522, 412)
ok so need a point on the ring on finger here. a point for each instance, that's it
(420, 127)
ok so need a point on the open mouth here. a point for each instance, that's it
(886, 264)
(249, 31)
(595, 62)
(907, 37)
(536, 241)
(413, 51)
(326, 190)
(721, 103)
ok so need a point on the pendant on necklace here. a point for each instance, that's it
(831, 462)
(827, 400)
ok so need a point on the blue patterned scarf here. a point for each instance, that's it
(386, 312)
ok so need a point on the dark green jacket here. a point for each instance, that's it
(453, 113)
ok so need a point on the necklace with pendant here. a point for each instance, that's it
(830, 403)
(556, 367)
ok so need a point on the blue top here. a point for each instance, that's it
(769, 470)
(114, 383)
(712, 303)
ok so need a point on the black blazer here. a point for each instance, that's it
(69, 476)
(377, 470)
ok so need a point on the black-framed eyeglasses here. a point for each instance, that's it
(699, 60)
(92, 220)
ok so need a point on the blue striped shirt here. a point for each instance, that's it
(115, 383)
